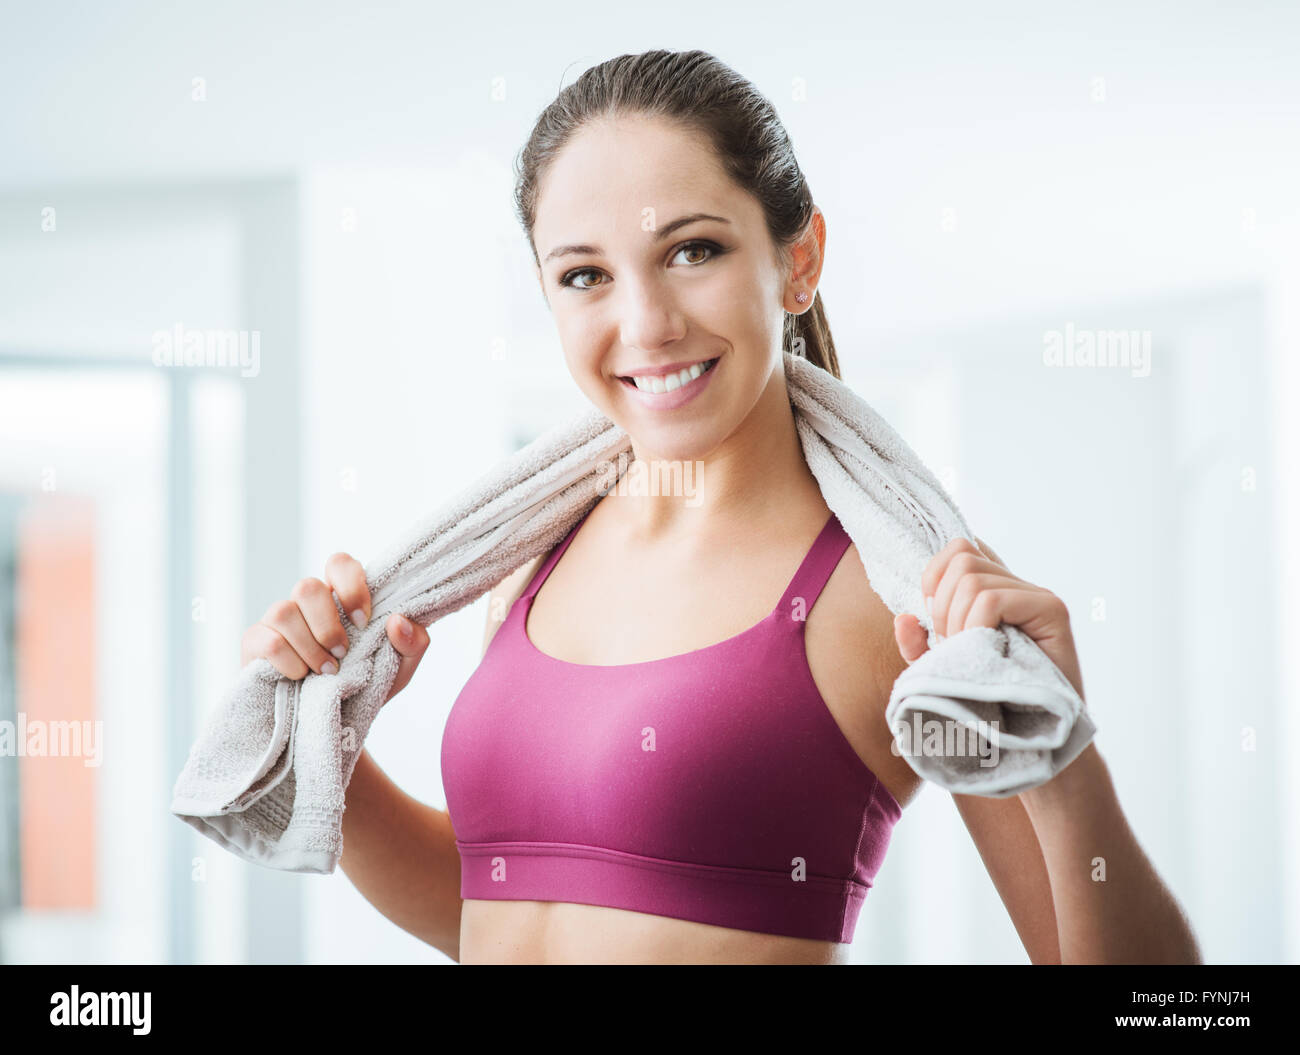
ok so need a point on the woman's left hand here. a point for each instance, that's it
(970, 588)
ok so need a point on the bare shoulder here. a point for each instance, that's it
(504, 594)
(854, 659)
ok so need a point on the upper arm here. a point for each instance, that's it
(1008, 845)
(854, 659)
(503, 595)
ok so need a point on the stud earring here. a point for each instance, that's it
(801, 297)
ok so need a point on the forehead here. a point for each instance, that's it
(599, 186)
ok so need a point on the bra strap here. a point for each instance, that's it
(822, 559)
(553, 558)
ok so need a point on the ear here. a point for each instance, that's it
(810, 251)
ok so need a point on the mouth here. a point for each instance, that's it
(664, 383)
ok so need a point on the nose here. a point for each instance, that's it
(648, 316)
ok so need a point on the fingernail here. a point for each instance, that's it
(359, 618)
(403, 628)
(338, 651)
(329, 667)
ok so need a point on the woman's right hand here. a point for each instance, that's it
(304, 632)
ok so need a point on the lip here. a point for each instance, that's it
(678, 397)
(663, 371)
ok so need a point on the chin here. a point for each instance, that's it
(676, 445)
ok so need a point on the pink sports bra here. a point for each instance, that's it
(712, 786)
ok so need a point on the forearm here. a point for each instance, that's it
(1129, 916)
(401, 855)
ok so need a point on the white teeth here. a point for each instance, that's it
(670, 381)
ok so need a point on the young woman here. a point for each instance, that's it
(675, 749)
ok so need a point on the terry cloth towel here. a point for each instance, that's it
(267, 775)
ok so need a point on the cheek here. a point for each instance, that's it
(746, 308)
(752, 333)
(582, 358)
(577, 339)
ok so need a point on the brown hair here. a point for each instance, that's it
(707, 96)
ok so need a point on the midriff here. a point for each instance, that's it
(558, 932)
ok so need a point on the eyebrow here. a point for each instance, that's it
(660, 235)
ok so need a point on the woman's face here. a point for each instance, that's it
(634, 290)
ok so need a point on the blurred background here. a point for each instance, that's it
(328, 188)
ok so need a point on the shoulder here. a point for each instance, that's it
(851, 616)
(854, 659)
(504, 595)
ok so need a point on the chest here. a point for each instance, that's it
(724, 755)
(597, 607)
(726, 674)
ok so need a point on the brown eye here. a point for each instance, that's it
(567, 280)
(708, 248)
(704, 250)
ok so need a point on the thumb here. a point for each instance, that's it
(913, 641)
(409, 639)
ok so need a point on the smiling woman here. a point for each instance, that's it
(639, 772)
(674, 748)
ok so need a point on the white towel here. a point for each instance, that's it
(266, 778)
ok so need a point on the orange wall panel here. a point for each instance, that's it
(55, 672)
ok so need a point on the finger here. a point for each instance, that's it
(938, 566)
(989, 552)
(1036, 611)
(980, 559)
(957, 560)
(268, 643)
(316, 602)
(348, 578)
(286, 618)
(913, 642)
(410, 640)
(957, 605)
